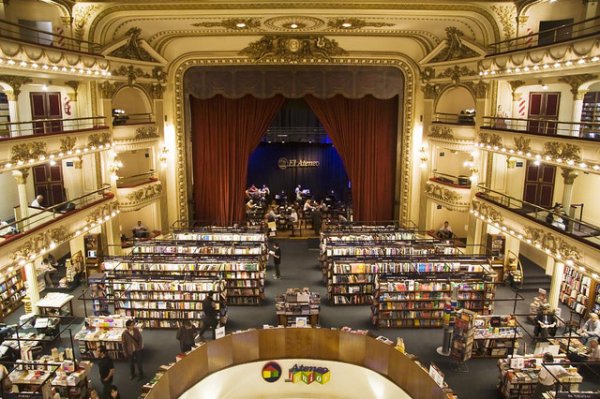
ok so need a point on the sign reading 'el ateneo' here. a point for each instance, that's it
(284, 163)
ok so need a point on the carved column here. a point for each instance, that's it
(21, 178)
(424, 203)
(577, 109)
(558, 270)
(569, 176)
(13, 111)
(33, 290)
(474, 234)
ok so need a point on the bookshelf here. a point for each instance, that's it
(223, 236)
(577, 289)
(417, 298)
(244, 276)
(298, 303)
(12, 290)
(213, 248)
(164, 303)
(102, 330)
(463, 335)
(590, 113)
(596, 304)
(495, 336)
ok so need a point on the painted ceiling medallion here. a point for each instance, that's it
(293, 48)
(354, 23)
(293, 23)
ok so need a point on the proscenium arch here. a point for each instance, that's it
(403, 146)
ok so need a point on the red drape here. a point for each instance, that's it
(224, 134)
(364, 132)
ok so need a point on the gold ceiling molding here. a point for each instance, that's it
(456, 72)
(431, 91)
(479, 88)
(506, 15)
(553, 242)
(108, 90)
(15, 82)
(231, 23)
(522, 144)
(134, 199)
(146, 132)
(67, 143)
(562, 151)
(26, 151)
(404, 167)
(81, 15)
(454, 49)
(132, 73)
(355, 23)
(575, 81)
(97, 139)
(293, 48)
(441, 132)
(294, 23)
(39, 242)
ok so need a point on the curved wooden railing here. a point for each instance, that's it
(296, 343)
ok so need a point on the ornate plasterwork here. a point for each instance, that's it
(133, 50)
(442, 132)
(552, 241)
(405, 139)
(231, 23)
(522, 144)
(456, 72)
(448, 197)
(294, 23)
(141, 196)
(131, 72)
(26, 151)
(569, 175)
(154, 90)
(15, 82)
(492, 215)
(38, 242)
(507, 15)
(81, 15)
(515, 84)
(293, 48)
(108, 89)
(97, 139)
(146, 132)
(563, 151)
(67, 143)
(354, 23)
(575, 81)
(491, 139)
(479, 88)
(454, 49)
(99, 214)
(431, 91)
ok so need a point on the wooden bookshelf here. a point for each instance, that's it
(164, 303)
(102, 330)
(577, 290)
(12, 291)
(495, 336)
(463, 335)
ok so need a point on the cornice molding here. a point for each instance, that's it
(134, 200)
(446, 196)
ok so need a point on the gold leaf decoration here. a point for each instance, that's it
(67, 143)
(293, 48)
(26, 151)
(442, 132)
(522, 144)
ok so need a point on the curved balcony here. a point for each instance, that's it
(134, 127)
(16, 130)
(451, 180)
(544, 127)
(576, 228)
(137, 191)
(462, 119)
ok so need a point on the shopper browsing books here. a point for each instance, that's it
(445, 232)
(186, 336)
(210, 314)
(276, 254)
(548, 375)
(133, 343)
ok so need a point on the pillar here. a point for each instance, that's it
(474, 234)
(13, 112)
(161, 170)
(106, 110)
(577, 109)
(569, 176)
(20, 176)
(113, 236)
(33, 291)
(558, 271)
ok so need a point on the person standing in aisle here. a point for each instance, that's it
(185, 335)
(276, 254)
(133, 343)
(548, 375)
(210, 314)
(106, 368)
(114, 392)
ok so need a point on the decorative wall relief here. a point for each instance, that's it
(450, 198)
(39, 242)
(522, 144)
(133, 49)
(563, 151)
(442, 132)
(293, 48)
(146, 132)
(488, 211)
(456, 72)
(97, 139)
(26, 151)
(133, 200)
(231, 23)
(553, 242)
(67, 143)
(506, 15)
(491, 139)
(455, 49)
(355, 23)
(15, 82)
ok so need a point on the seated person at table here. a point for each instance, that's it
(140, 231)
(593, 350)
(545, 322)
(590, 329)
(293, 216)
(298, 191)
(445, 232)
(309, 206)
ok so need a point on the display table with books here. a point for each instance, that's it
(298, 306)
(102, 331)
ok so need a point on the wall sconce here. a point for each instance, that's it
(114, 167)
(423, 157)
(472, 166)
(544, 85)
(164, 153)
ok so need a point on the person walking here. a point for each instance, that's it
(106, 368)
(210, 314)
(276, 253)
(133, 343)
(186, 334)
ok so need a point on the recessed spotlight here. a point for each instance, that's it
(346, 25)
(241, 25)
(294, 25)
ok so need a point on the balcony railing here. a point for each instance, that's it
(544, 127)
(467, 119)
(136, 180)
(576, 228)
(588, 27)
(43, 216)
(49, 126)
(132, 119)
(451, 180)
(22, 33)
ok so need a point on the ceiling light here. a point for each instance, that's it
(293, 25)
(346, 25)
(241, 25)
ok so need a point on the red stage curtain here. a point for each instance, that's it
(364, 132)
(224, 134)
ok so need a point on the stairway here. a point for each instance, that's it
(534, 277)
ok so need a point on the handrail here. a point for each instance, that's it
(458, 119)
(132, 119)
(444, 178)
(576, 228)
(519, 266)
(587, 130)
(133, 180)
(48, 126)
(21, 226)
(532, 40)
(7, 30)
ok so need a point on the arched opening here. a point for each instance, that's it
(132, 101)
(455, 100)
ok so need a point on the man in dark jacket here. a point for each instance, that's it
(210, 313)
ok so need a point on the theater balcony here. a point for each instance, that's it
(136, 191)
(568, 239)
(570, 47)
(134, 127)
(46, 228)
(28, 50)
(453, 192)
(26, 144)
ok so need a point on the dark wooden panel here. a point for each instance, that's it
(220, 354)
(377, 356)
(183, 376)
(272, 344)
(245, 347)
(552, 105)
(352, 348)
(535, 104)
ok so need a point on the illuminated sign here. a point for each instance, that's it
(271, 372)
(308, 374)
(284, 163)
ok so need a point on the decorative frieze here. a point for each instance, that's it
(146, 132)
(293, 48)
(493, 215)
(551, 241)
(231, 24)
(97, 139)
(441, 132)
(355, 23)
(454, 49)
(522, 144)
(39, 242)
(491, 139)
(134, 199)
(67, 143)
(15, 82)
(26, 151)
(562, 151)
(449, 197)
